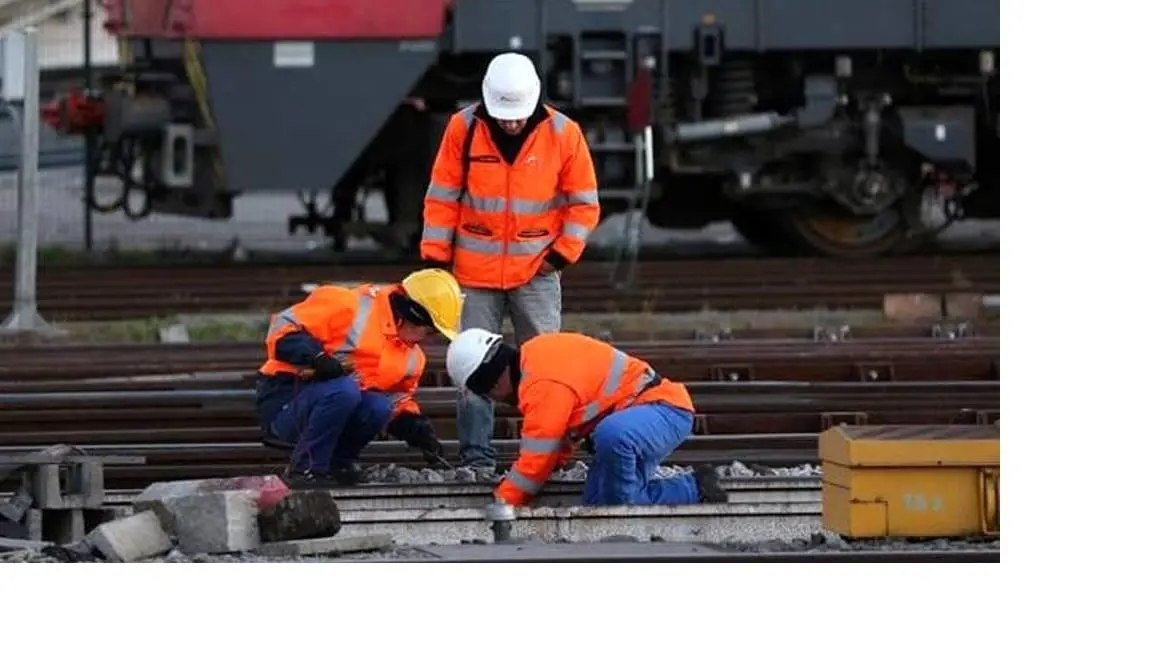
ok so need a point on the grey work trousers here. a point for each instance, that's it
(534, 309)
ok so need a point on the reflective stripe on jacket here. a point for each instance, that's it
(497, 233)
(569, 382)
(354, 324)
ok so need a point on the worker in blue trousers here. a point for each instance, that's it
(343, 366)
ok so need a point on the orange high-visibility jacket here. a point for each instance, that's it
(354, 324)
(497, 233)
(568, 384)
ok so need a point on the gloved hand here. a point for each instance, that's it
(428, 264)
(416, 430)
(588, 446)
(325, 367)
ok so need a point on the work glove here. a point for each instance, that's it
(416, 430)
(588, 446)
(325, 367)
(428, 264)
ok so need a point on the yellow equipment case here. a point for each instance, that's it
(911, 480)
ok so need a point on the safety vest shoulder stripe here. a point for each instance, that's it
(612, 385)
(286, 317)
(468, 113)
(413, 364)
(356, 331)
(443, 192)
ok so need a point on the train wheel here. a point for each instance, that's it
(827, 228)
(766, 230)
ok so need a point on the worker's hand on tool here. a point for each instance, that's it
(325, 367)
(416, 430)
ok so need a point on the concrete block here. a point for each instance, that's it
(216, 522)
(56, 486)
(964, 305)
(34, 522)
(300, 515)
(63, 525)
(17, 544)
(14, 508)
(130, 539)
(912, 307)
(318, 546)
(154, 498)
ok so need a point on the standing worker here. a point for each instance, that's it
(343, 365)
(512, 202)
(571, 388)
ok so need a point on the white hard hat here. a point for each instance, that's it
(468, 351)
(511, 88)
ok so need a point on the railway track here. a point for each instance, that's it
(188, 408)
(59, 366)
(212, 432)
(107, 293)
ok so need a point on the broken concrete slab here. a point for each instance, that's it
(318, 546)
(300, 515)
(130, 539)
(154, 498)
(216, 522)
(13, 510)
(695, 522)
(18, 544)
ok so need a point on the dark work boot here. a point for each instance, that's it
(307, 480)
(708, 484)
(349, 476)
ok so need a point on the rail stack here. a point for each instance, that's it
(764, 394)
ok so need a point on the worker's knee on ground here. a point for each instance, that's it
(341, 392)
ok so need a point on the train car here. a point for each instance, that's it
(833, 120)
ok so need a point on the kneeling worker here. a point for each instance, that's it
(342, 367)
(571, 388)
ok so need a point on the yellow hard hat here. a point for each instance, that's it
(440, 295)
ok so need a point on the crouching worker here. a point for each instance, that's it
(343, 366)
(570, 389)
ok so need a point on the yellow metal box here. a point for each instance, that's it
(911, 480)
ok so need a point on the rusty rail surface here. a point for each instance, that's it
(189, 433)
(875, 359)
(104, 293)
(188, 408)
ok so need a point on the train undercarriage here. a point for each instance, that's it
(855, 127)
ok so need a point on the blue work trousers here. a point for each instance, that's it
(330, 423)
(628, 447)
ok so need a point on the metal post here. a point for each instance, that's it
(25, 317)
(89, 138)
(501, 516)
